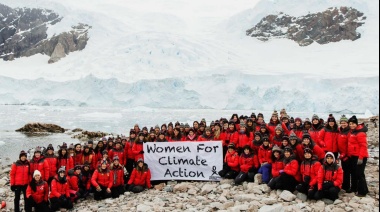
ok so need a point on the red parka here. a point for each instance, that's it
(247, 162)
(357, 142)
(136, 149)
(117, 175)
(102, 178)
(41, 165)
(291, 167)
(314, 133)
(296, 147)
(265, 154)
(256, 146)
(68, 163)
(53, 164)
(59, 188)
(277, 165)
(19, 174)
(310, 168)
(328, 138)
(120, 153)
(140, 178)
(343, 142)
(128, 150)
(73, 181)
(86, 179)
(298, 131)
(244, 140)
(98, 157)
(90, 158)
(78, 158)
(232, 137)
(223, 135)
(41, 193)
(277, 139)
(232, 160)
(332, 173)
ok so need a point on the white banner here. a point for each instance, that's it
(184, 160)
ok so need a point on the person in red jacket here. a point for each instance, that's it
(231, 163)
(273, 123)
(129, 153)
(118, 151)
(64, 159)
(52, 161)
(298, 128)
(232, 136)
(235, 120)
(207, 135)
(152, 136)
(201, 130)
(296, 145)
(98, 152)
(328, 136)
(276, 139)
(145, 131)
(265, 159)
(251, 125)
(249, 164)
(316, 127)
(223, 136)
(102, 181)
(169, 131)
(244, 138)
(37, 194)
(117, 176)
(140, 178)
(110, 143)
(306, 125)
(105, 158)
(289, 175)
(59, 194)
(256, 143)
(308, 143)
(137, 147)
(187, 128)
(330, 178)
(285, 143)
(77, 154)
(161, 137)
(192, 136)
(309, 171)
(88, 156)
(277, 158)
(217, 131)
(260, 122)
(74, 182)
(85, 178)
(39, 163)
(358, 154)
(264, 130)
(177, 136)
(342, 149)
(19, 179)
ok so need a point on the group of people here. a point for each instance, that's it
(314, 157)
(50, 182)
